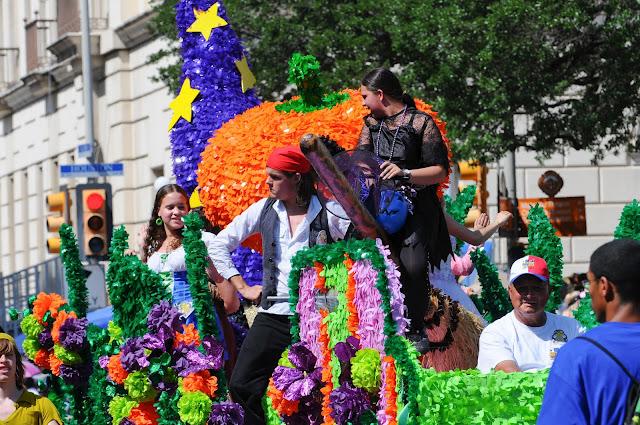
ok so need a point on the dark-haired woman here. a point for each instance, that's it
(163, 252)
(17, 405)
(415, 156)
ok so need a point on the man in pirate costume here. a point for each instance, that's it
(528, 338)
(291, 219)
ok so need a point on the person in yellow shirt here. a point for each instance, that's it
(17, 405)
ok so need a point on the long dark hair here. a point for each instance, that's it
(385, 80)
(8, 347)
(156, 233)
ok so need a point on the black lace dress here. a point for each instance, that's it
(424, 239)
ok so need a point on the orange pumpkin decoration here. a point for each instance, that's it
(231, 175)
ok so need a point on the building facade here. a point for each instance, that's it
(42, 116)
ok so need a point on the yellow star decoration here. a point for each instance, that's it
(248, 79)
(206, 21)
(181, 105)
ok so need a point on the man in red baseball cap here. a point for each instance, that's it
(528, 338)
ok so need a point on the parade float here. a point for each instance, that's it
(349, 362)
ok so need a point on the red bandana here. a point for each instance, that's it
(289, 159)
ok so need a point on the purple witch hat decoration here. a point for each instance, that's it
(213, 56)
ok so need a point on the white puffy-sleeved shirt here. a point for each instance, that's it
(287, 244)
(532, 348)
(174, 261)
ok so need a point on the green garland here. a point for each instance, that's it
(628, 227)
(101, 390)
(470, 397)
(544, 243)
(304, 72)
(133, 287)
(196, 258)
(459, 208)
(629, 223)
(494, 298)
(74, 273)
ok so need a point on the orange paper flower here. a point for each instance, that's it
(115, 369)
(189, 336)
(231, 175)
(47, 302)
(390, 393)
(326, 368)
(144, 414)
(279, 403)
(320, 280)
(201, 381)
(41, 359)
(55, 364)
(352, 320)
(55, 329)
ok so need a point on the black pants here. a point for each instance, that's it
(267, 339)
(411, 247)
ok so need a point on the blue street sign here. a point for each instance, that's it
(85, 150)
(91, 170)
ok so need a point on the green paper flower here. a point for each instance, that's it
(194, 407)
(139, 387)
(115, 332)
(67, 357)
(30, 326)
(120, 408)
(365, 369)
(284, 359)
(30, 346)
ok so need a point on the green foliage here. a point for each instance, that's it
(459, 208)
(100, 389)
(477, 62)
(197, 260)
(74, 273)
(133, 287)
(629, 224)
(544, 243)
(163, 24)
(494, 299)
(628, 227)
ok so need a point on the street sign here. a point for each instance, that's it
(91, 170)
(85, 150)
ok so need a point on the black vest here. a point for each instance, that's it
(269, 226)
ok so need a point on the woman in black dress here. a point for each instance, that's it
(415, 156)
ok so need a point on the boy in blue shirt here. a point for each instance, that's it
(594, 377)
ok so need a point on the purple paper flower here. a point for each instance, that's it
(347, 349)
(301, 357)
(301, 380)
(103, 361)
(188, 359)
(164, 320)
(348, 403)
(133, 356)
(45, 340)
(214, 351)
(154, 342)
(126, 421)
(73, 333)
(226, 413)
(309, 411)
(75, 375)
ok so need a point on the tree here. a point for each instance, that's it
(572, 66)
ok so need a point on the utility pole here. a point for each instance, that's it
(87, 81)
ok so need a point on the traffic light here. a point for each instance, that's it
(58, 204)
(474, 174)
(95, 221)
